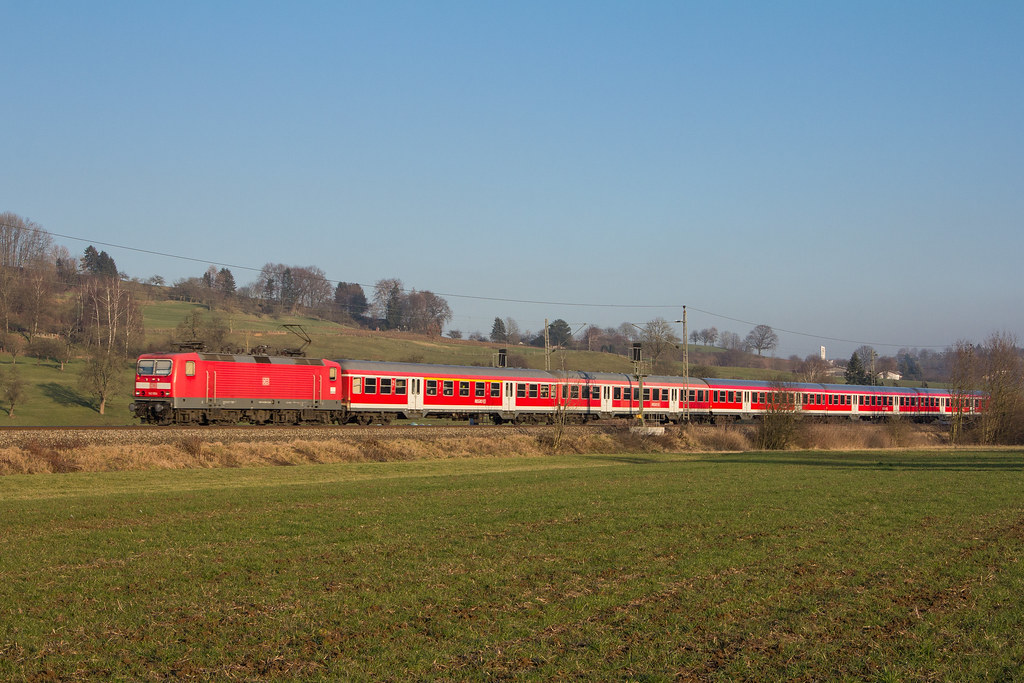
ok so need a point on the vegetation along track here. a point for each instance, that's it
(145, 435)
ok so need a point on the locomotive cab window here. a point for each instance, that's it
(158, 367)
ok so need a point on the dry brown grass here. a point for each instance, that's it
(196, 452)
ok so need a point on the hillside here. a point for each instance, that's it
(54, 397)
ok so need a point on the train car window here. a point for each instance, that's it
(595, 392)
(647, 394)
(575, 393)
(190, 368)
(565, 392)
(545, 391)
(357, 385)
(533, 391)
(400, 386)
(521, 390)
(463, 388)
(333, 374)
(693, 394)
(495, 390)
(385, 385)
(370, 386)
(480, 389)
(431, 387)
(448, 387)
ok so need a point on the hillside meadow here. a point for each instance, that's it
(885, 566)
(54, 396)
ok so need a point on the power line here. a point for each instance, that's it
(474, 297)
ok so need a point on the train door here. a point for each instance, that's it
(211, 388)
(606, 399)
(416, 393)
(508, 400)
(746, 402)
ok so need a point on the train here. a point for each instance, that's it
(200, 388)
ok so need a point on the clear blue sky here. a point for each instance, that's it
(844, 170)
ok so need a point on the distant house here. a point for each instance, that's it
(890, 375)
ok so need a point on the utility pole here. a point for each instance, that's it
(638, 372)
(686, 369)
(547, 346)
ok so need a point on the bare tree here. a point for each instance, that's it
(658, 337)
(706, 337)
(388, 302)
(515, 335)
(12, 389)
(962, 382)
(103, 376)
(426, 313)
(22, 242)
(311, 287)
(110, 316)
(731, 341)
(778, 426)
(762, 338)
(36, 289)
(1002, 421)
(812, 369)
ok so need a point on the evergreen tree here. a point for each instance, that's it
(225, 281)
(559, 332)
(98, 263)
(289, 294)
(855, 372)
(498, 332)
(351, 299)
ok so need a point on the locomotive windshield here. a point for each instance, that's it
(154, 366)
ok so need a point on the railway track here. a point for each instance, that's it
(68, 438)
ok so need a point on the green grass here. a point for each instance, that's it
(862, 566)
(54, 397)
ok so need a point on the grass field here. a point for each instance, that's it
(860, 566)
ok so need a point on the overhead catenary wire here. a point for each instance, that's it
(478, 297)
